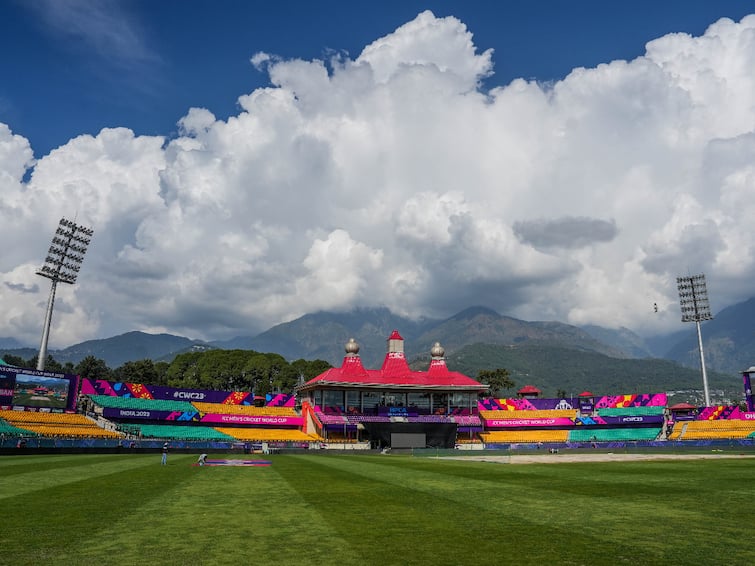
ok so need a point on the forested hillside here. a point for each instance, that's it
(553, 369)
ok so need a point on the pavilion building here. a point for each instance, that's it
(394, 399)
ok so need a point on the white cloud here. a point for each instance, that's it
(443, 44)
(338, 272)
(394, 180)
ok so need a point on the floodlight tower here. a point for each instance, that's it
(693, 299)
(69, 244)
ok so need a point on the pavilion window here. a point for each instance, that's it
(333, 400)
(439, 403)
(395, 399)
(461, 401)
(421, 401)
(370, 401)
(353, 403)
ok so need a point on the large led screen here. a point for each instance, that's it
(20, 387)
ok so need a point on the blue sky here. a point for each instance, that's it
(143, 64)
(245, 163)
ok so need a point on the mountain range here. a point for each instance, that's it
(532, 351)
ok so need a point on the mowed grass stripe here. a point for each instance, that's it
(224, 516)
(10, 465)
(211, 515)
(362, 498)
(44, 524)
(40, 472)
(459, 518)
(597, 504)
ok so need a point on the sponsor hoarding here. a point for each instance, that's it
(143, 391)
(215, 419)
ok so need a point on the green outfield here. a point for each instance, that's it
(345, 509)
(37, 400)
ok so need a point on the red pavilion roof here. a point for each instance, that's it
(395, 372)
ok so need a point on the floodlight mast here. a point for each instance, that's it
(62, 264)
(693, 299)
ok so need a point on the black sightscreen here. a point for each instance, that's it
(437, 435)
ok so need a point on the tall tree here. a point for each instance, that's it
(142, 371)
(499, 379)
(161, 368)
(93, 368)
(184, 370)
(16, 361)
(257, 372)
(50, 365)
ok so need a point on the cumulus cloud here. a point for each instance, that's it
(396, 180)
(444, 44)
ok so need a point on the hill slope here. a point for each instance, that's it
(323, 335)
(728, 341)
(117, 350)
(481, 325)
(552, 368)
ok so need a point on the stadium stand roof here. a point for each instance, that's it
(682, 407)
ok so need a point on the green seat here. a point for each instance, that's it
(613, 434)
(9, 430)
(630, 411)
(136, 403)
(178, 432)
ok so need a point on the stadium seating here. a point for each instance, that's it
(613, 434)
(335, 419)
(8, 429)
(530, 414)
(250, 410)
(178, 432)
(718, 429)
(523, 436)
(67, 425)
(467, 420)
(113, 402)
(630, 411)
(465, 439)
(340, 438)
(269, 434)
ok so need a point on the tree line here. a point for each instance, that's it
(221, 370)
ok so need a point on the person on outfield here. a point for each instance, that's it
(165, 454)
(202, 459)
